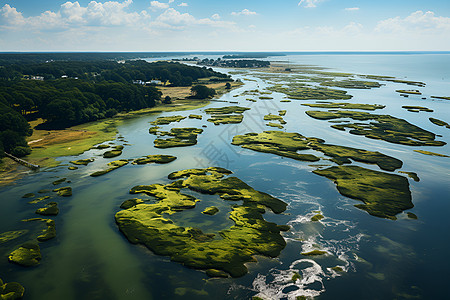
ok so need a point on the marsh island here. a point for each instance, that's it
(226, 250)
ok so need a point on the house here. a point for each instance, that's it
(155, 82)
(151, 82)
(33, 77)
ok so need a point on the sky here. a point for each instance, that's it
(207, 25)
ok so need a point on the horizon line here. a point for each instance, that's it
(231, 51)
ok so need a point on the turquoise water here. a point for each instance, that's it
(383, 259)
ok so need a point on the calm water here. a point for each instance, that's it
(383, 259)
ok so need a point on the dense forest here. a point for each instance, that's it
(96, 71)
(66, 93)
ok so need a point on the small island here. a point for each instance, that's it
(226, 115)
(383, 127)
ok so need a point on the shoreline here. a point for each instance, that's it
(47, 145)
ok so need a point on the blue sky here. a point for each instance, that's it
(205, 25)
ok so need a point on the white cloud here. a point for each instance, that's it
(420, 30)
(216, 23)
(244, 12)
(309, 3)
(417, 22)
(111, 13)
(10, 16)
(96, 16)
(353, 28)
(174, 17)
(159, 5)
(183, 4)
(73, 12)
(174, 20)
(47, 20)
(11, 19)
(352, 9)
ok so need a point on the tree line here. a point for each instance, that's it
(172, 73)
(33, 57)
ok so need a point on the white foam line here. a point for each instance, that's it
(283, 279)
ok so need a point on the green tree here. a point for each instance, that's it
(202, 92)
(14, 143)
(167, 100)
(2, 149)
(60, 111)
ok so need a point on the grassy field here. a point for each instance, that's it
(48, 144)
(11, 171)
(182, 92)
